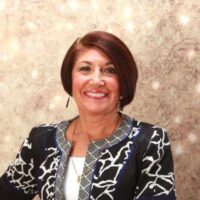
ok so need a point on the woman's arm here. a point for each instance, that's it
(156, 180)
(18, 182)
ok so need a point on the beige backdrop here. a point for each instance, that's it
(164, 37)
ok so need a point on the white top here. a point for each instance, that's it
(71, 184)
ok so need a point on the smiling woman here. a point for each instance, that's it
(95, 84)
(102, 153)
(115, 51)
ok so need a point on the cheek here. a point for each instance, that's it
(78, 82)
(114, 84)
(75, 84)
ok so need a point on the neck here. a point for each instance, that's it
(97, 127)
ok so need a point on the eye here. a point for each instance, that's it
(110, 70)
(84, 68)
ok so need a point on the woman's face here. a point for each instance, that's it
(95, 85)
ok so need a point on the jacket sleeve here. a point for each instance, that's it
(18, 182)
(156, 179)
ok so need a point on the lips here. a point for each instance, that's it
(96, 94)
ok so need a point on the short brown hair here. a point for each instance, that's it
(116, 51)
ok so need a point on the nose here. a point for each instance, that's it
(97, 78)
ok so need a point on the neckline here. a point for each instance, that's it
(118, 135)
(124, 122)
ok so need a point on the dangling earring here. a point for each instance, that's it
(119, 108)
(67, 102)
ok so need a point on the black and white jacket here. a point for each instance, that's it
(134, 163)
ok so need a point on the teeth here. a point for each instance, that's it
(92, 94)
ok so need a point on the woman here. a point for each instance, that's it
(102, 153)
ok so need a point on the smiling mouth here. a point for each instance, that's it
(96, 94)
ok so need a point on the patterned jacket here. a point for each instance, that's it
(134, 163)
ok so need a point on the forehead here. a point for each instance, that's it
(91, 55)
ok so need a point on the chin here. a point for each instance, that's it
(97, 109)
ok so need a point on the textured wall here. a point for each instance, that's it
(164, 38)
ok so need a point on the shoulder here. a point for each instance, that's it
(143, 131)
(147, 130)
(148, 135)
(45, 130)
(48, 127)
(43, 137)
(42, 128)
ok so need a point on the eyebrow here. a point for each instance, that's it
(88, 62)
